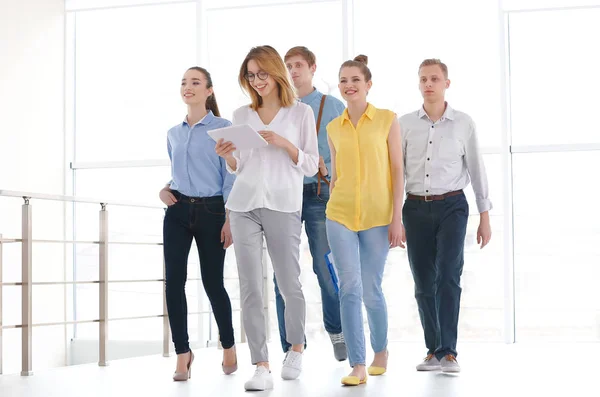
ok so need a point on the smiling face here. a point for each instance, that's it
(260, 81)
(265, 79)
(352, 85)
(193, 88)
(433, 83)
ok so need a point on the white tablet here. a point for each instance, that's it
(243, 136)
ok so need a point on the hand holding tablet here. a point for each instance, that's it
(237, 137)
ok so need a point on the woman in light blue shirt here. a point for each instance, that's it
(195, 199)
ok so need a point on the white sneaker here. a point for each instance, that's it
(449, 364)
(292, 365)
(262, 380)
(430, 363)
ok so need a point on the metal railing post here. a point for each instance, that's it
(103, 286)
(166, 328)
(26, 289)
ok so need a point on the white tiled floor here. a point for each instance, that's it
(488, 370)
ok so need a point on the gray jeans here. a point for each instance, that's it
(282, 233)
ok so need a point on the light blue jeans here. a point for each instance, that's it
(359, 259)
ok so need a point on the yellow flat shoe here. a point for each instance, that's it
(376, 371)
(353, 381)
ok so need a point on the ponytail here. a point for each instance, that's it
(211, 101)
(211, 104)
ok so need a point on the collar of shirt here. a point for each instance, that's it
(315, 94)
(448, 113)
(370, 113)
(205, 120)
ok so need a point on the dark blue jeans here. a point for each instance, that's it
(435, 238)
(200, 219)
(313, 216)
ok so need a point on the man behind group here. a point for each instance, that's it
(301, 63)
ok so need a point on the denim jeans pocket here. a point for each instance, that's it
(323, 197)
(169, 208)
(215, 208)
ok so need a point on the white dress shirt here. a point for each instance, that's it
(443, 156)
(267, 177)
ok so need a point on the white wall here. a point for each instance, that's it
(32, 34)
(31, 95)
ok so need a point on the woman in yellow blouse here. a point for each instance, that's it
(364, 214)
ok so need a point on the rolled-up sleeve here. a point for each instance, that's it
(476, 169)
(170, 151)
(308, 150)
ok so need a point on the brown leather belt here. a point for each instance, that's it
(435, 197)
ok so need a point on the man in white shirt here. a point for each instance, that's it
(441, 157)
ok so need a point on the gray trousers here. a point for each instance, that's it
(282, 233)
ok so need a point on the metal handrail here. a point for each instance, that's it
(152, 280)
(27, 282)
(13, 326)
(73, 199)
(18, 240)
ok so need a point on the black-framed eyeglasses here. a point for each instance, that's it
(262, 75)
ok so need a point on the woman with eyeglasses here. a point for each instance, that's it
(266, 199)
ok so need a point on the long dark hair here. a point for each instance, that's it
(211, 101)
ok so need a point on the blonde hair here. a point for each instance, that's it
(270, 61)
(304, 52)
(360, 62)
(435, 61)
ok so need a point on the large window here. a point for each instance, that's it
(555, 237)
(129, 63)
(397, 36)
(226, 51)
(125, 90)
(139, 101)
(556, 247)
(553, 94)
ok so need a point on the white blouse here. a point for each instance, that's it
(267, 177)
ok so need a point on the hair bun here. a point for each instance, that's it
(362, 59)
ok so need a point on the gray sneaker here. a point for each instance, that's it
(430, 363)
(339, 346)
(449, 364)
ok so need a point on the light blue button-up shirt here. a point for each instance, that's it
(332, 108)
(196, 170)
